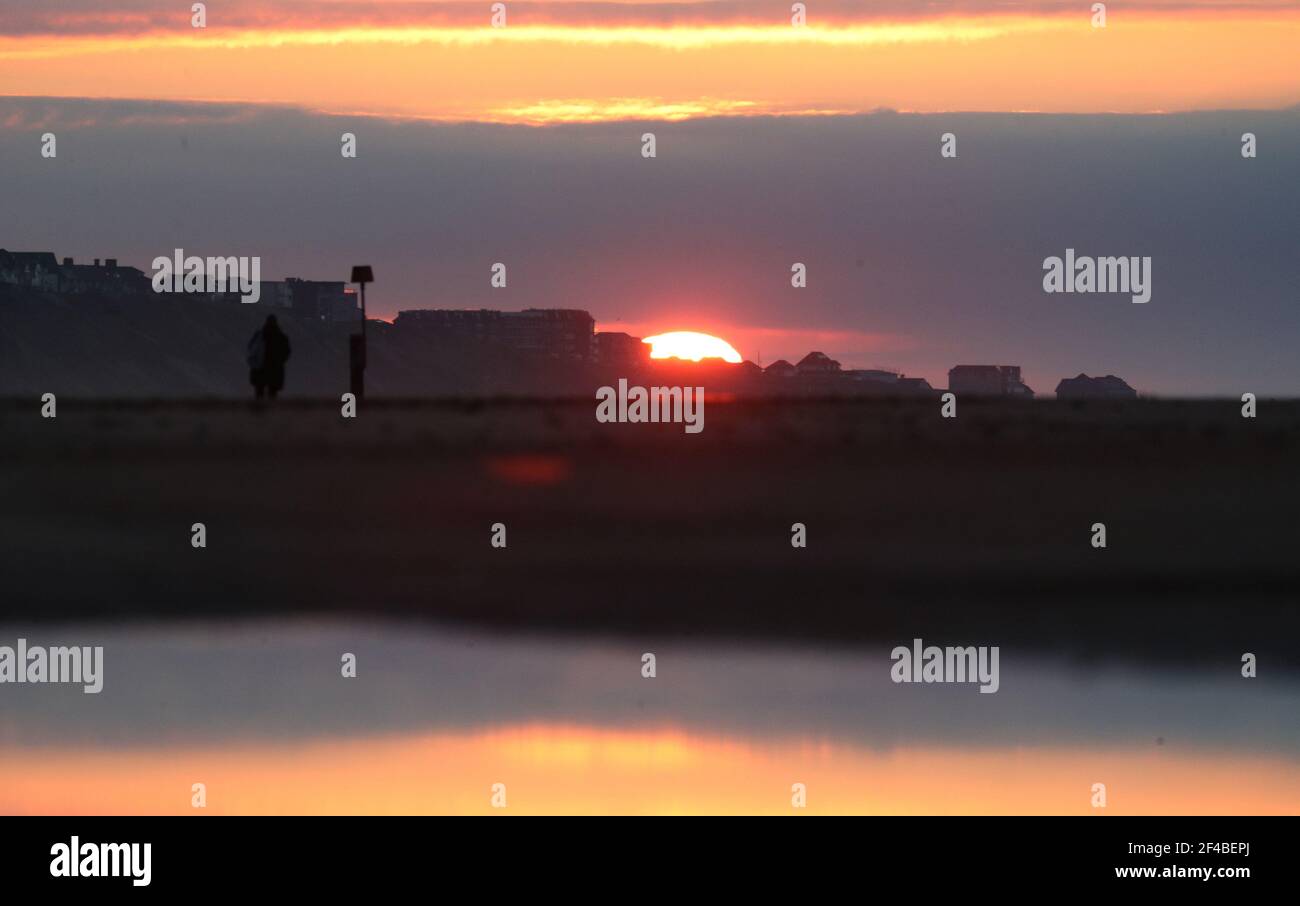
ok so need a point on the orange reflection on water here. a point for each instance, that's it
(580, 770)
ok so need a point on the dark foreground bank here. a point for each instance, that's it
(970, 530)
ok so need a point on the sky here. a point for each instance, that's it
(775, 144)
(584, 61)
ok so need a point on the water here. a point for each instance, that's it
(259, 713)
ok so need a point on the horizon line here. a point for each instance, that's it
(693, 110)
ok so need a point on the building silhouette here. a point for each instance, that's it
(319, 300)
(560, 334)
(818, 364)
(988, 380)
(563, 333)
(913, 385)
(1085, 388)
(622, 349)
(872, 375)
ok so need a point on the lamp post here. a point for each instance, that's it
(362, 274)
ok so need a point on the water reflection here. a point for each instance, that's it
(260, 714)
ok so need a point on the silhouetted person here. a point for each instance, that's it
(268, 350)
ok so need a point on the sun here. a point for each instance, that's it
(692, 346)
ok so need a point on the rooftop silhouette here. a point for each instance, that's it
(535, 351)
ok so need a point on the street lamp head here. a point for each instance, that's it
(362, 273)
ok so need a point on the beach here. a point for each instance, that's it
(976, 529)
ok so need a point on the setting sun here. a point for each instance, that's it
(687, 344)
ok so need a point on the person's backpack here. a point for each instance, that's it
(257, 351)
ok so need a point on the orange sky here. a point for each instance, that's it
(592, 67)
(572, 769)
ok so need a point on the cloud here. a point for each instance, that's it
(38, 114)
(127, 17)
(410, 60)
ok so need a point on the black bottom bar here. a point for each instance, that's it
(332, 856)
